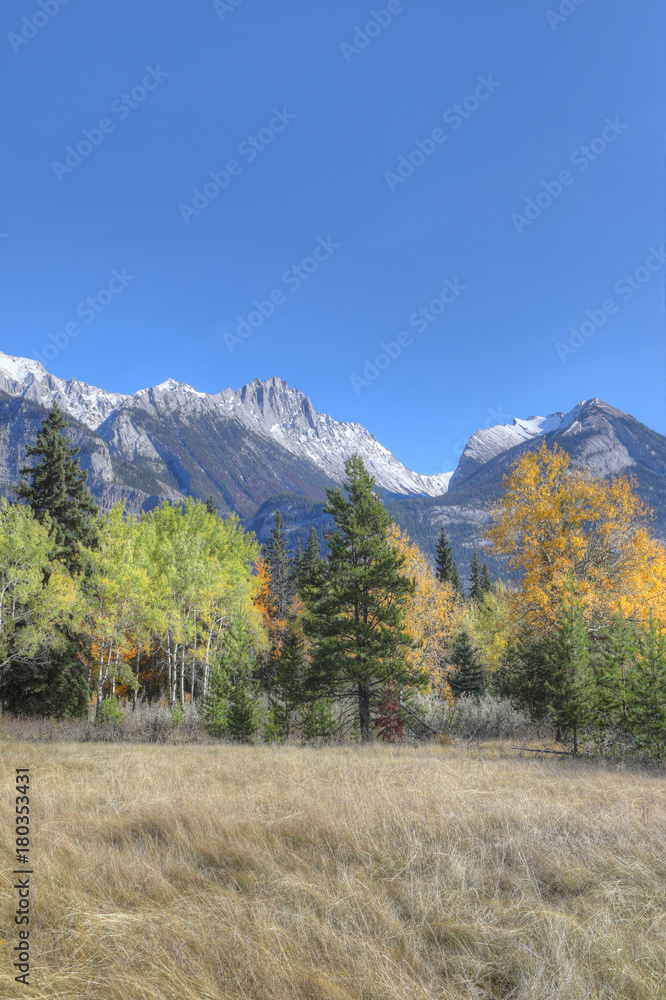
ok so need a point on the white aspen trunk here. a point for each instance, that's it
(174, 676)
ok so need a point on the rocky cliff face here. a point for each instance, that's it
(265, 446)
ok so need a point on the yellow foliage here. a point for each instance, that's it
(553, 520)
(434, 612)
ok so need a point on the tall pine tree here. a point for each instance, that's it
(280, 563)
(355, 614)
(56, 490)
(571, 683)
(647, 688)
(467, 674)
(446, 569)
(475, 589)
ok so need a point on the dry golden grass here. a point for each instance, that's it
(189, 873)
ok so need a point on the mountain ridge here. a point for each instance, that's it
(264, 447)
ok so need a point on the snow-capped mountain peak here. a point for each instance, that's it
(270, 408)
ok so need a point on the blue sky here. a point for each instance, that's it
(349, 190)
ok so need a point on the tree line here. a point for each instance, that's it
(182, 604)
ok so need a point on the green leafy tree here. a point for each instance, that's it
(467, 674)
(56, 491)
(355, 614)
(40, 672)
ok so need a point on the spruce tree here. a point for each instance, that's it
(467, 674)
(446, 569)
(475, 591)
(279, 562)
(287, 693)
(571, 683)
(443, 559)
(56, 491)
(355, 613)
(211, 506)
(617, 655)
(647, 690)
(311, 563)
(233, 705)
(486, 583)
(523, 675)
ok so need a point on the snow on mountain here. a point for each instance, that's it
(488, 442)
(274, 409)
(271, 408)
(485, 444)
(27, 378)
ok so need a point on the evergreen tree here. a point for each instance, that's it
(475, 590)
(56, 491)
(355, 614)
(523, 674)
(298, 563)
(443, 559)
(279, 562)
(456, 581)
(287, 692)
(467, 674)
(647, 689)
(617, 655)
(571, 684)
(233, 705)
(446, 569)
(211, 506)
(486, 583)
(310, 565)
(51, 683)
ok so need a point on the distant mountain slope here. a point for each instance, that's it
(270, 410)
(264, 446)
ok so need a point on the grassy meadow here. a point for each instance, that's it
(340, 873)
